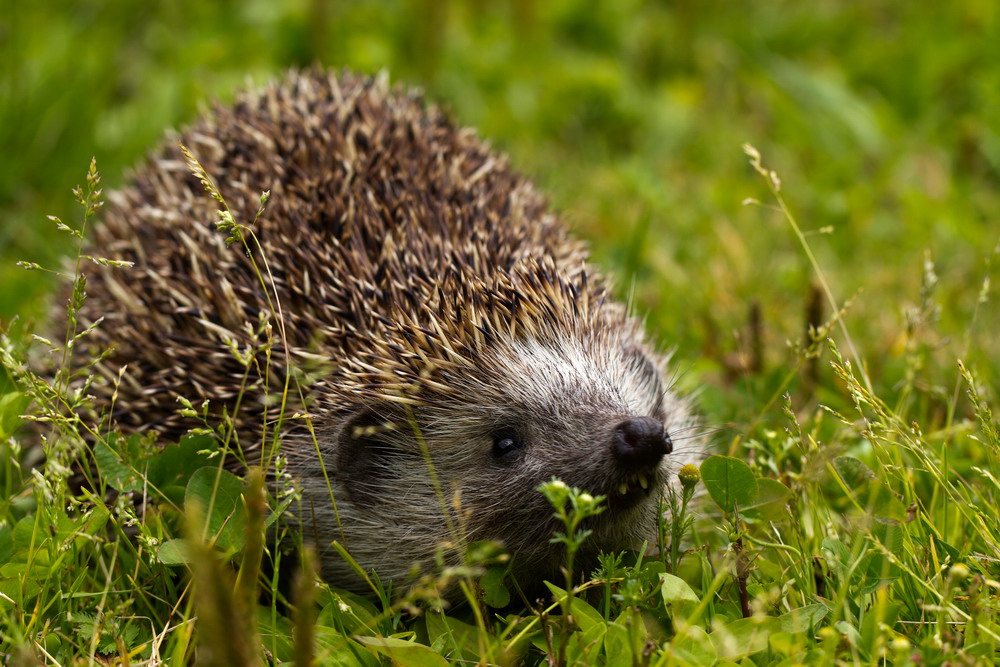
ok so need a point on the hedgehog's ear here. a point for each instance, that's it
(366, 450)
(365, 428)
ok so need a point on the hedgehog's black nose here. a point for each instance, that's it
(640, 442)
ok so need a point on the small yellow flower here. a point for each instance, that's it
(689, 475)
(900, 644)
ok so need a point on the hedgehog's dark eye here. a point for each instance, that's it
(505, 444)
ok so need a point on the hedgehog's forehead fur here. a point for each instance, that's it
(419, 279)
(468, 333)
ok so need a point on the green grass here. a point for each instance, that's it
(880, 120)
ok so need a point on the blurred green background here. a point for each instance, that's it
(881, 117)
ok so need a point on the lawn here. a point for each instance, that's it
(801, 200)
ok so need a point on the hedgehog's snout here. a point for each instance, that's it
(639, 443)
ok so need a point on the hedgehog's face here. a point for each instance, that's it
(598, 416)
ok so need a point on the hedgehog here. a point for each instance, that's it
(446, 344)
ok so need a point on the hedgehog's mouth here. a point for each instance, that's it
(632, 489)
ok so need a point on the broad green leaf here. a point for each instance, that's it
(587, 645)
(335, 650)
(836, 554)
(802, 619)
(943, 548)
(90, 525)
(876, 569)
(174, 552)
(784, 643)
(404, 653)
(854, 473)
(26, 533)
(743, 636)
(980, 649)
(729, 481)
(589, 639)
(12, 406)
(223, 514)
(617, 649)
(872, 496)
(278, 630)
(677, 593)
(495, 593)
(586, 616)
(772, 499)
(694, 647)
(16, 584)
(448, 635)
(173, 494)
(175, 464)
(877, 614)
(850, 632)
(883, 504)
(6, 543)
(354, 612)
(114, 469)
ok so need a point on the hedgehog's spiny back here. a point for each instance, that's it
(398, 244)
